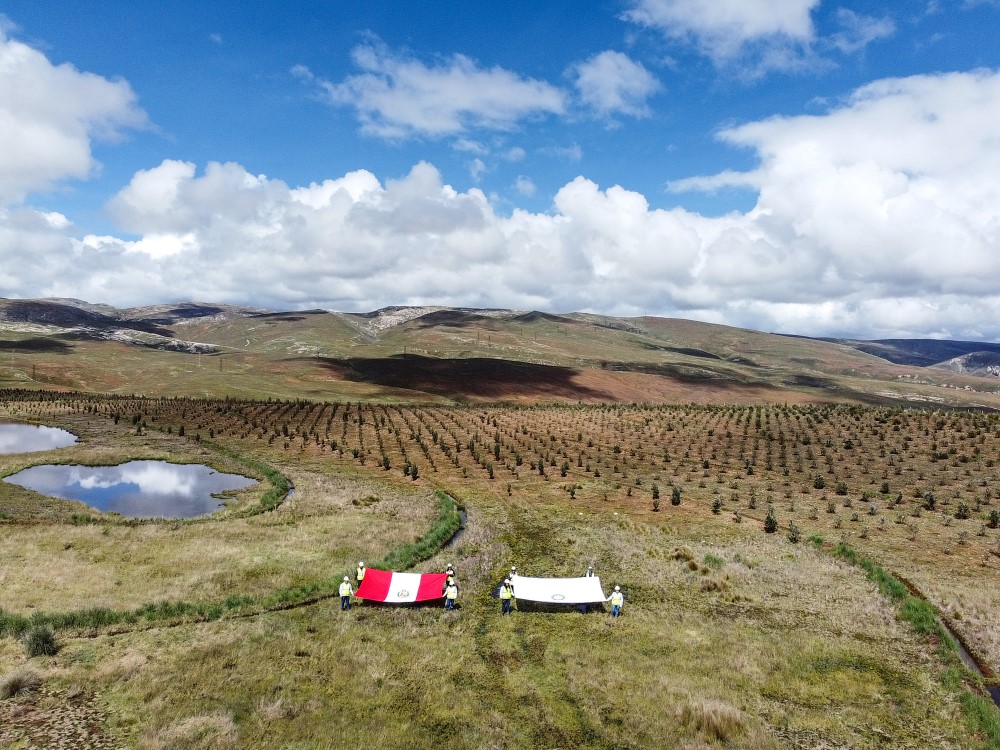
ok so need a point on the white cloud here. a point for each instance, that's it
(573, 152)
(611, 82)
(525, 186)
(725, 30)
(477, 168)
(469, 146)
(877, 217)
(400, 97)
(858, 31)
(49, 116)
(889, 200)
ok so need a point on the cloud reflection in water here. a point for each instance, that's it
(137, 489)
(28, 438)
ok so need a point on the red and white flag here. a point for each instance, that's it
(401, 588)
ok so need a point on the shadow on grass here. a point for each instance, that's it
(472, 377)
(36, 346)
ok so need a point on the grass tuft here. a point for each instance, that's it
(206, 732)
(713, 719)
(40, 640)
(19, 683)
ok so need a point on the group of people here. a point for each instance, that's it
(450, 590)
(507, 597)
(347, 590)
(450, 587)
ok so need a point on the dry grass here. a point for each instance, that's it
(713, 719)
(777, 645)
(19, 683)
(795, 648)
(202, 732)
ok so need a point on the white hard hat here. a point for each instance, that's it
(345, 578)
(618, 588)
(361, 563)
(506, 580)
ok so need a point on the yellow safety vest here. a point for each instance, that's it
(506, 592)
(345, 589)
(361, 574)
(451, 593)
(617, 599)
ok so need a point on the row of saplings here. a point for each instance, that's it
(962, 511)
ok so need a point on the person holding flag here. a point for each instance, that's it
(450, 595)
(506, 596)
(617, 600)
(345, 594)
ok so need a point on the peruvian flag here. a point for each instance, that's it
(401, 588)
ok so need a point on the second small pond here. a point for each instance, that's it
(137, 489)
(28, 438)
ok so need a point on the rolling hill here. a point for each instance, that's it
(437, 354)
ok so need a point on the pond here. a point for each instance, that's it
(137, 489)
(28, 438)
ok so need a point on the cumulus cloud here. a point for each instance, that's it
(611, 82)
(398, 97)
(858, 31)
(887, 201)
(877, 217)
(49, 117)
(525, 185)
(726, 30)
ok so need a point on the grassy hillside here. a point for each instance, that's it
(434, 355)
(731, 636)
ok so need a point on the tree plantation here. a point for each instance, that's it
(764, 510)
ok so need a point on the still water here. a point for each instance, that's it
(137, 489)
(28, 438)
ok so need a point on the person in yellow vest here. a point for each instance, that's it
(450, 595)
(345, 594)
(617, 600)
(450, 578)
(506, 596)
(360, 575)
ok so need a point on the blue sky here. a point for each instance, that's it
(793, 165)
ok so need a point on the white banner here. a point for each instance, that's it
(585, 590)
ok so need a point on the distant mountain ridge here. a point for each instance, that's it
(918, 352)
(154, 319)
(447, 353)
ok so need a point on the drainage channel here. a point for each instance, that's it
(969, 659)
(463, 517)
